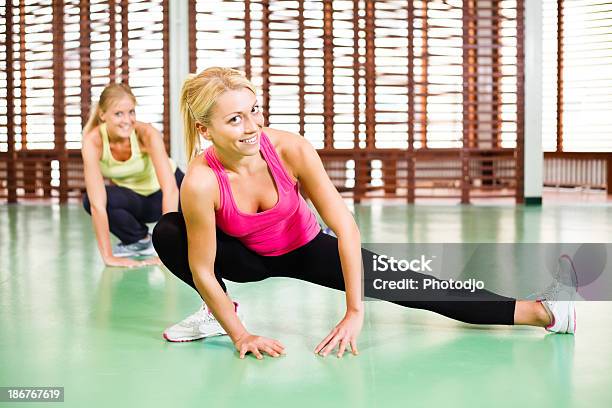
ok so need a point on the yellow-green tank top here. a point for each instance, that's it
(137, 173)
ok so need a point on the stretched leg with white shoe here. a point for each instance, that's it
(319, 262)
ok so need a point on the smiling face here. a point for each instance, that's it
(236, 123)
(120, 117)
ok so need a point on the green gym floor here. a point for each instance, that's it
(66, 320)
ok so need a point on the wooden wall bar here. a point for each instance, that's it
(59, 97)
(166, 74)
(404, 99)
(519, 154)
(72, 49)
(399, 81)
(11, 156)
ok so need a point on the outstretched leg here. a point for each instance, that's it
(319, 262)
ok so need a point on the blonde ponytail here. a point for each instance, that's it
(199, 95)
(191, 135)
(93, 120)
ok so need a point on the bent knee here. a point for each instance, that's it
(169, 231)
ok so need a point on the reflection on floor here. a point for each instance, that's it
(66, 320)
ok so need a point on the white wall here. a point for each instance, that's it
(534, 156)
(179, 69)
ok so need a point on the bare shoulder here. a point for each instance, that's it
(200, 183)
(145, 130)
(284, 140)
(147, 133)
(93, 136)
(292, 147)
(92, 142)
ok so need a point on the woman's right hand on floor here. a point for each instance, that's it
(130, 263)
(258, 345)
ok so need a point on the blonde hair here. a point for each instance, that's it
(111, 94)
(199, 96)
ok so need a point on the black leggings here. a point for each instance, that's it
(128, 212)
(316, 262)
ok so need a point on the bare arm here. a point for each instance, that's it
(154, 145)
(316, 184)
(94, 183)
(335, 214)
(198, 210)
(198, 205)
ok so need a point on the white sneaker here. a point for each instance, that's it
(199, 325)
(144, 247)
(558, 298)
(562, 314)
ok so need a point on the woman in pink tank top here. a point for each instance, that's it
(243, 219)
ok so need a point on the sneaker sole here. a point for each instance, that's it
(571, 325)
(189, 339)
(125, 255)
(136, 254)
(571, 321)
(147, 252)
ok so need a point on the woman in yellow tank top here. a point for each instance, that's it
(145, 181)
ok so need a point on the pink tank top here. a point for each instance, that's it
(288, 225)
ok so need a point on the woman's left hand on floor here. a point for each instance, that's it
(131, 263)
(151, 261)
(345, 333)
